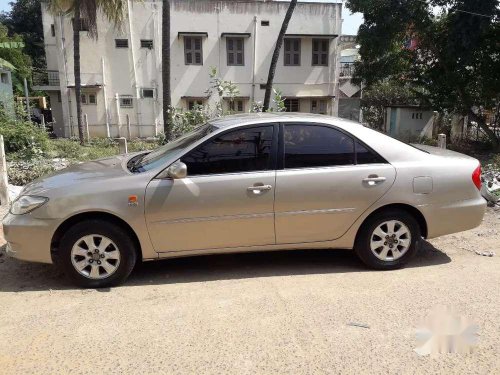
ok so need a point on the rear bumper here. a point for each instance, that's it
(28, 238)
(447, 218)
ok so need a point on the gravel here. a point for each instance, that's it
(268, 313)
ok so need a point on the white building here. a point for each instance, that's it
(121, 71)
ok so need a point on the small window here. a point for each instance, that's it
(238, 151)
(319, 106)
(235, 51)
(83, 98)
(292, 52)
(121, 43)
(292, 105)
(59, 97)
(92, 99)
(193, 52)
(320, 52)
(264, 23)
(52, 30)
(193, 104)
(5, 78)
(308, 146)
(366, 156)
(126, 101)
(147, 93)
(147, 43)
(236, 106)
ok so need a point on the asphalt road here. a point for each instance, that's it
(267, 313)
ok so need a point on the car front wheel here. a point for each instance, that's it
(388, 240)
(97, 254)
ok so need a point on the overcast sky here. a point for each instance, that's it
(350, 25)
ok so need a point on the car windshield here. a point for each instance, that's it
(158, 157)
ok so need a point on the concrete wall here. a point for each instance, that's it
(108, 71)
(6, 94)
(409, 122)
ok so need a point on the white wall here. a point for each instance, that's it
(212, 17)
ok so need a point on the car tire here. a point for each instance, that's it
(97, 254)
(388, 240)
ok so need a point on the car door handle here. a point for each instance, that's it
(374, 180)
(258, 189)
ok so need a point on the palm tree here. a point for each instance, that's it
(167, 99)
(85, 12)
(277, 48)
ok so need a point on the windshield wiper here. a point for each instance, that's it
(134, 165)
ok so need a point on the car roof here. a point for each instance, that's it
(251, 118)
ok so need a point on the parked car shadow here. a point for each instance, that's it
(17, 276)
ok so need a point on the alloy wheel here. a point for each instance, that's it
(390, 240)
(95, 256)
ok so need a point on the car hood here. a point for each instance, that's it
(80, 175)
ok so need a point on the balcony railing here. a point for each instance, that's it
(46, 78)
(346, 69)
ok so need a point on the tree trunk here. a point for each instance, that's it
(167, 99)
(276, 54)
(482, 124)
(76, 58)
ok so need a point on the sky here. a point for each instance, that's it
(350, 25)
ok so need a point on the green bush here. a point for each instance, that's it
(22, 137)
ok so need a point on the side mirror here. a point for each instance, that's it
(177, 171)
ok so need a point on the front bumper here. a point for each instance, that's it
(28, 238)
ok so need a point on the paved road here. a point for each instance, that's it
(269, 313)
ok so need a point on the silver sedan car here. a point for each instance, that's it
(245, 183)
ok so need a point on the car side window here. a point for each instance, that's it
(366, 156)
(242, 150)
(308, 146)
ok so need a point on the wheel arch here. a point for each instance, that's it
(419, 217)
(93, 215)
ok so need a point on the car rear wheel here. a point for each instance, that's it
(97, 254)
(388, 240)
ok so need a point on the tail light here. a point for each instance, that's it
(476, 177)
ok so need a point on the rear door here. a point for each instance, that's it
(326, 181)
(227, 199)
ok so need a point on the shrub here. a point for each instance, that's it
(22, 172)
(22, 137)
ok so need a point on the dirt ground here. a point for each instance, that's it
(265, 313)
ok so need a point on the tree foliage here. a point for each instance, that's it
(17, 58)
(452, 57)
(25, 21)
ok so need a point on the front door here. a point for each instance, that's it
(329, 179)
(227, 199)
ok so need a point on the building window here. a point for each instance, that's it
(193, 53)
(5, 78)
(121, 43)
(292, 105)
(147, 43)
(126, 101)
(193, 104)
(416, 115)
(264, 23)
(237, 105)
(147, 93)
(235, 51)
(92, 99)
(292, 52)
(318, 106)
(89, 99)
(52, 30)
(59, 97)
(320, 52)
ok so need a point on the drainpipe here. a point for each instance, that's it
(134, 84)
(104, 91)
(118, 121)
(157, 69)
(254, 62)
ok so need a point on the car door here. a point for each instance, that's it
(327, 179)
(227, 199)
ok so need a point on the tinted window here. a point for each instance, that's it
(365, 156)
(316, 146)
(242, 150)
